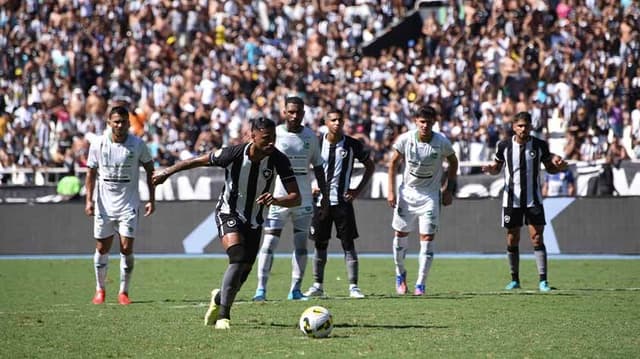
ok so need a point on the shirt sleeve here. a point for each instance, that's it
(224, 156)
(94, 153)
(545, 155)
(283, 167)
(499, 157)
(316, 158)
(145, 155)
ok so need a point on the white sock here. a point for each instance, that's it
(299, 259)
(100, 264)
(400, 245)
(126, 269)
(425, 258)
(265, 259)
(318, 285)
(351, 286)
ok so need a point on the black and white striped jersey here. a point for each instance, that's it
(522, 171)
(338, 161)
(245, 180)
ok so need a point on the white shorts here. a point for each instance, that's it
(125, 224)
(300, 217)
(427, 213)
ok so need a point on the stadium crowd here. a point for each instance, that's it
(193, 71)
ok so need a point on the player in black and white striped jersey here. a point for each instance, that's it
(250, 175)
(522, 197)
(338, 153)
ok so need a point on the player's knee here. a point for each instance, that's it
(539, 247)
(301, 252)
(273, 231)
(347, 244)
(236, 254)
(321, 245)
(513, 249)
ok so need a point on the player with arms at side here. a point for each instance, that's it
(338, 153)
(420, 193)
(300, 144)
(250, 174)
(522, 198)
(114, 162)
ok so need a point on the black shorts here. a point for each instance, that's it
(516, 217)
(345, 221)
(231, 223)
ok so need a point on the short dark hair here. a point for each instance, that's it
(426, 111)
(261, 123)
(334, 110)
(120, 110)
(523, 115)
(294, 99)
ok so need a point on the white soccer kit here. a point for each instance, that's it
(303, 151)
(117, 196)
(419, 191)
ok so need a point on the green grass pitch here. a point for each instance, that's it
(593, 311)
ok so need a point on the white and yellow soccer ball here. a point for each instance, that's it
(316, 322)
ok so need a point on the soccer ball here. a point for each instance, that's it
(316, 322)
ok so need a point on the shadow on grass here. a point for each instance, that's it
(378, 326)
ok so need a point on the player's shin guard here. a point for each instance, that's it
(351, 260)
(101, 264)
(319, 262)
(231, 281)
(425, 259)
(540, 253)
(265, 259)
(126, 270)
(299, 259)
(400, 245)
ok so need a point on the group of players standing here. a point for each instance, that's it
(272, 171)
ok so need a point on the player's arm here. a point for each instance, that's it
(150, 207)
(200, 161)
(452, 177)
(321, 180)
(90, 185)
(396, 158)
(369, 168)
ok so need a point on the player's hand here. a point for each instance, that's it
(88, 209)
(324, 208)
(159, 177)
(391, 199)
(490, 169)
(447, 198)
(560, 164)
(315, 191)
(265, 199)
(351, 195)
(149, 208)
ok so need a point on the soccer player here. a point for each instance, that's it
(250, 174)
(114, 162)
(300, 144)
(522, 198)
(421, 192)
(338, 154)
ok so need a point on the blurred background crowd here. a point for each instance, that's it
(194, 71)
